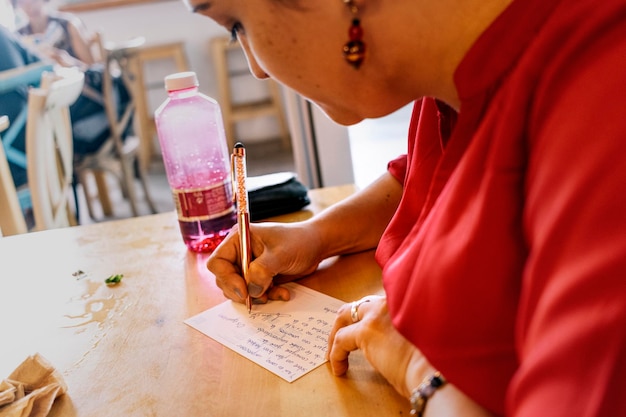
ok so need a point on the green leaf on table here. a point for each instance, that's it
(114, 279)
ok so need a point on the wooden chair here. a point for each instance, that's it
(16, 81)
(152, 61)
(49, 147)
(234, 112)
(119, 155)
(11, 218)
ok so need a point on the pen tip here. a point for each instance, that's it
(239, 145)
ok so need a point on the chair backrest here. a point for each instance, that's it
(27, 75)
(118, 154)
(117, 59)
(49, 147)
(11, 218)
(16, 81)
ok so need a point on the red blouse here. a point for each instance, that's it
(506, 260)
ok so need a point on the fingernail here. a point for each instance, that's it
(255, 290)
(238, 293)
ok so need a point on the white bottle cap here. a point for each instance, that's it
(181, 81)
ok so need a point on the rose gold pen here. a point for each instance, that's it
(238, 161)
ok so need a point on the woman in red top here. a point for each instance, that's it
(502, 232)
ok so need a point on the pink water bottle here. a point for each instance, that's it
(197, 162)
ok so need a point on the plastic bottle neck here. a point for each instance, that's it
(182, 93)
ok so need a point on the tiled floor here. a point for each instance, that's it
(373, 143)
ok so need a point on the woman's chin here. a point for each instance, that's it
(342, 117)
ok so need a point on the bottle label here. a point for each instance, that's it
(204, 203)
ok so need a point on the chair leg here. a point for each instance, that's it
(82, 180)
(75, 194)
(103, 193)
(144, 185)
(71, 216)
(128, 178)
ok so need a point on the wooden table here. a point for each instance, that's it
(125, 350)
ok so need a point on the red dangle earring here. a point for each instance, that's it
(354, 49)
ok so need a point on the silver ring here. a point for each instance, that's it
(354, 310)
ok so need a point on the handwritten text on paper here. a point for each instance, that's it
(287, 338)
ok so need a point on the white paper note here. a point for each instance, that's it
(289, 338)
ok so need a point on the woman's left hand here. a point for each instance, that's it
(368, 327)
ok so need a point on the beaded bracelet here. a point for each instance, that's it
(424, 391)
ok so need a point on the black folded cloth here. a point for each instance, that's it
(275, 194)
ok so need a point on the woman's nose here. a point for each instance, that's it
(257, 71)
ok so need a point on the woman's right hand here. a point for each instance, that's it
(279, 251)
(283, 252)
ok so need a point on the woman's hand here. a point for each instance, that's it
(287, 251)
(280, 251)
(398, 360)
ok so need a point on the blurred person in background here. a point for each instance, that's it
(7, 15)
(64, 38)
(61, 36)
(90, 127)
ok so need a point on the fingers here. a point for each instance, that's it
(273, 259)
(272, 293)
(224, 264)
(260, 278)
(344, 342)
(278, 293)
(233, 286)
(340, 322)
(346, 334)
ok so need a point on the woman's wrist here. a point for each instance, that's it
(317, 242)
(422, 382)
(426, 389)
(417, 370)
(329, 236)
